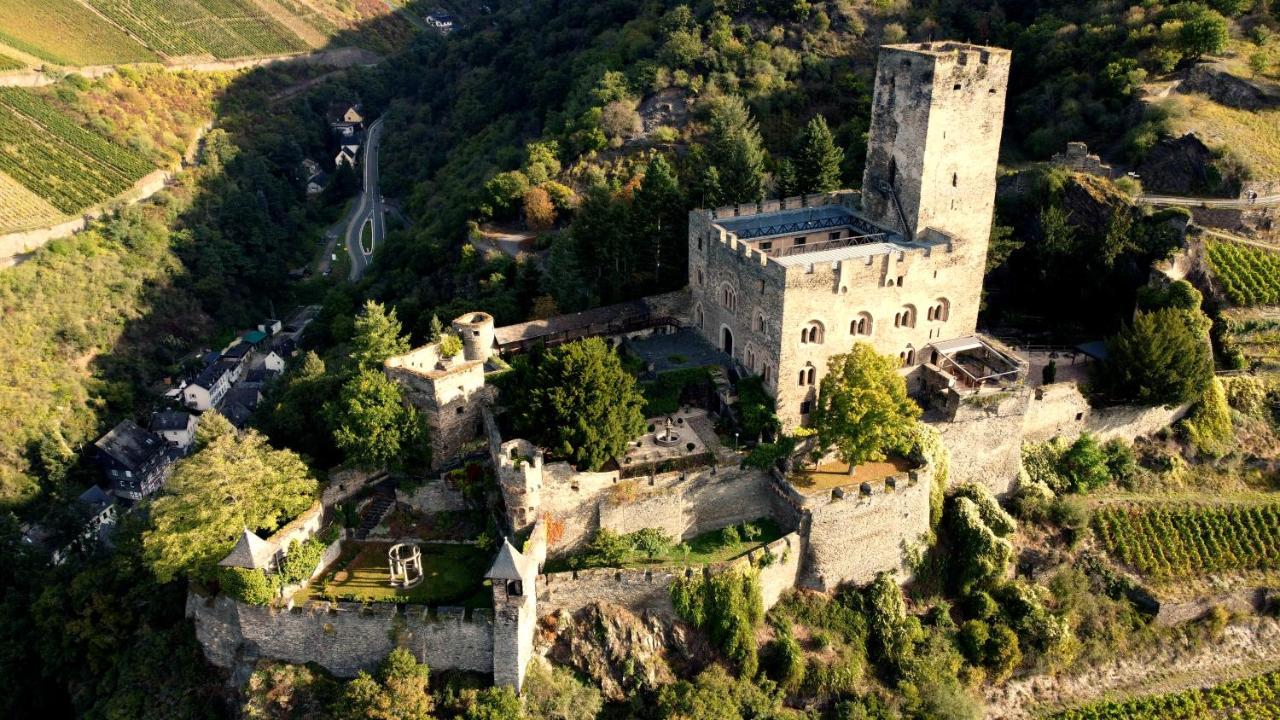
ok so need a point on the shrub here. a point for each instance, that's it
(1208, 426)
(248, 586)
(729, 607)
(450, 345)
(1122, 464)
(972, 640)
(301, 561)
(1002, 654)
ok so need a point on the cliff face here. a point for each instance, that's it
(1180, 166)
(621, 651)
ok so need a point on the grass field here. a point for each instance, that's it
(8, 63)
(67, 33)
(1252, 137)
(454, 575)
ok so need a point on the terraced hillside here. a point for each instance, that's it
(105, 32)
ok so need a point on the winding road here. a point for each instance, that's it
(368, 210)
(1235, 203)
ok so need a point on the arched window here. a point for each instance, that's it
(942, 309)
(764, 374)
(751, 359)
(759, 324)
(930, 314)
(813, 372)
(728, 298)
(812, 332)
(907, 318)
(699, 277)
(803, 375)
(697, 316)
(860, 325)
(908, 356)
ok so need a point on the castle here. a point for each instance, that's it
(783, 286)
(776, 288)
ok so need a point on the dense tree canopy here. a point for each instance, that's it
(235, 483)
(1161, 358)
(378, 336)
(576, 400)
(375, 427)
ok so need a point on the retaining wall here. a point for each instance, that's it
(433, 496)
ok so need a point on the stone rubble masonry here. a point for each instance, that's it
(515, 614)
(852, 536)
(648, 589)
(344, 638)
(449, 391)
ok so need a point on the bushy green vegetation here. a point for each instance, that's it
(728, 607)
(1079, 466)
(1255, 697)
(651, 546)
(663, 394)
(1173, 542)
(1248, 275)
(1161, 358)
(863, 409)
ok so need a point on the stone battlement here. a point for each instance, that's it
(956, 52)
(848, 198)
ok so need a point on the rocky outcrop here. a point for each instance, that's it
(1224, 88)
(621, 651)
(1181, 166)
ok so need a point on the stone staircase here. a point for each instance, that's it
(375, 510)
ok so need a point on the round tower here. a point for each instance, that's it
(476, 331)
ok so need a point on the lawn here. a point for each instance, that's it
(454, 575)
(67, 33)
(710, 547)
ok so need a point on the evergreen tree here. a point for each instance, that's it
(736, 151)
(660, 216)
(377, 337)
(818, 159)
(576, 400)
(784, 179)
(1161, 358)
(373, 425)
(863, 409)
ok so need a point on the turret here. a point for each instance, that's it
(514, 577)
(476, 331)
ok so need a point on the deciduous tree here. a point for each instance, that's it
(863, 409)
(237, 482)
(373, 425)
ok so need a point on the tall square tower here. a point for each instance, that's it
(934, 141)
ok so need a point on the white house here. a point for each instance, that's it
(176, 427)
(210, 386)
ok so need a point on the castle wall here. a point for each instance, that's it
(1060, 410)
(450, 393)
(984, 439)
(649, 589)
(344, 640)
(854, 537)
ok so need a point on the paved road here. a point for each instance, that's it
(367, 209)
(1237, 203)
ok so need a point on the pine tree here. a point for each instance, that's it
(784, 179)
(818, 158)
(659, 211)
(1162, 358)
(377, 337)
(736, 150)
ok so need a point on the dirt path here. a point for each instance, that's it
(1249, 648)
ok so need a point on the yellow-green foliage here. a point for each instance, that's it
(1246, 393)
(1170, 542)
(925, 444)
(1257, 697)
(1254, 134)
(1208, 427)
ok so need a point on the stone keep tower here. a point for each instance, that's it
(515, 613)
(934, 140)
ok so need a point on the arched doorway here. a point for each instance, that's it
(726, 341)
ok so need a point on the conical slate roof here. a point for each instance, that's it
(508, 565)
(251, 552)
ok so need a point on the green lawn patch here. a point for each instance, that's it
(710, 547)
(454, 576)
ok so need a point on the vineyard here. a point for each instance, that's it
(1248, 275)
(1257, 697)
(222, 28)
(67, 33)
(8, 63)
(1170, 542)
(21, 209)
(58, 160)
